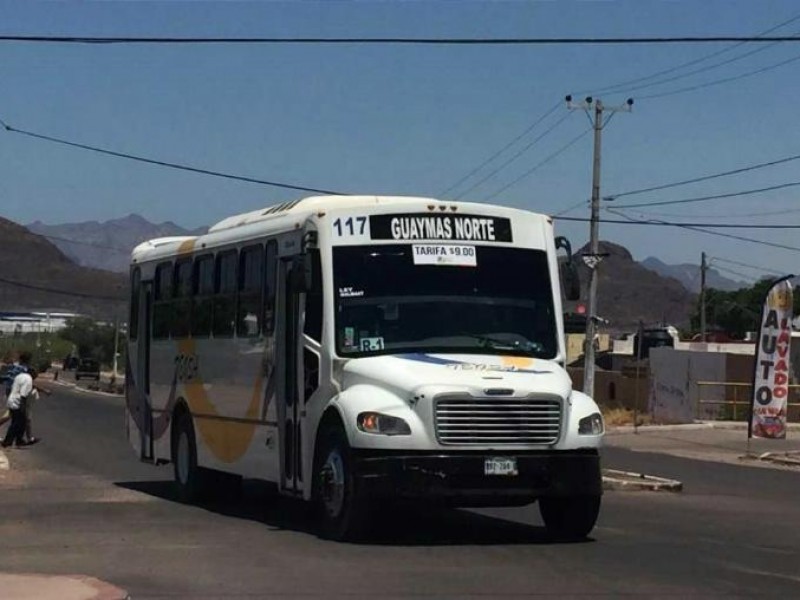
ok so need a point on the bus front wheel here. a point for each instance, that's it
(569, 519)
(340, 507)
(190, 479)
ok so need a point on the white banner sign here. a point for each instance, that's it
(772, 365)
(445, 255)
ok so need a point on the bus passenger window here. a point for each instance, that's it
(251, 283)
(136, 290)
(182, 303)
(271, 282)
(162, 306)
(225, 294)
(202, 296)
(313, 322)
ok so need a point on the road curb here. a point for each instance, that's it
(696, 426)
(628, 481)
(789, 459)
(30, 586)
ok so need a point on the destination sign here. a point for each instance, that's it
(445, 226)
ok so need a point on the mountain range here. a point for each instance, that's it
(89, 258)
(35, 275)
(689, 275)
(628, 292)
(106, 245)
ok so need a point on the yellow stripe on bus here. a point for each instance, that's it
(227, 440)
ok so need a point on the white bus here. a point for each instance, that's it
(352, 349)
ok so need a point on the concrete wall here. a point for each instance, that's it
(673, 384)
(615, 389)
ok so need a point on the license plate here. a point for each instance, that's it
(501, 466)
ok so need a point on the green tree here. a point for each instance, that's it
(92, 339)
(736, 312)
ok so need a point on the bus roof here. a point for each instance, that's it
(315, 203)
(282, 214)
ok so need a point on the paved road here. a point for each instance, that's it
(80, 502)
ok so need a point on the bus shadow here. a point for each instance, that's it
(394, 525)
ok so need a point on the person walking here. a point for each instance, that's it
(22, 364)
(29, 403)
(21, 390)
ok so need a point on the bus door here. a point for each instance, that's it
(289, 368)
(142, 375)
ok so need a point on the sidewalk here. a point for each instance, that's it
(58, 587)
(717, 442)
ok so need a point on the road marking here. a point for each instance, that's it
(3, 461)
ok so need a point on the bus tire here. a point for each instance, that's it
(190, 480)
(569, 519)
(341, 509)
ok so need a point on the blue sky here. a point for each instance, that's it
(399, 119)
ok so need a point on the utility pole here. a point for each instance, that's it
(116, 347)
(593, 258)
(703, 267)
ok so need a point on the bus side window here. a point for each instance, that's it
(182, 303)
(270, 286)
(225, 294)
(162, 306)
(202, 296)
(313, 321)
(136, 287)
(251, 284)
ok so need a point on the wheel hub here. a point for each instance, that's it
(332, 483)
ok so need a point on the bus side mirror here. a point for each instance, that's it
(569, 271)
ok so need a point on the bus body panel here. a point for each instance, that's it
(235, 388)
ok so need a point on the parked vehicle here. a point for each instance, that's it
(87, 368)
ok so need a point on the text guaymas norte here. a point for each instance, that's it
(443, 227)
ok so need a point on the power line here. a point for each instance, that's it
(736, 273)
(713, 197)
(748, 266)
(723, 80)
(519, 153)
(699, 70)
(708, 232)
(655, 223)
(664, 72)
(530, 171)
(571, 208)
(108, 40)
(769, 213)
(503, 149)
(705, 177)
(38, 288)
(622, 86)
(161, 163)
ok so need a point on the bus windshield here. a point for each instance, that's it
(475, 299)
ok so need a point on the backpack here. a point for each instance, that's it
(11, 374)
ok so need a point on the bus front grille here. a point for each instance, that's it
(464, 420)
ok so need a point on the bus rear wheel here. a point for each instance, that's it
(569, 519)
(190, 480)
(341, 509)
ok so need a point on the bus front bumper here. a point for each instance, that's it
(461, 478)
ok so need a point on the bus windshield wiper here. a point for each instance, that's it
(488, 341)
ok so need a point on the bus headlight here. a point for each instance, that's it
(372, 422)
(591, 425)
